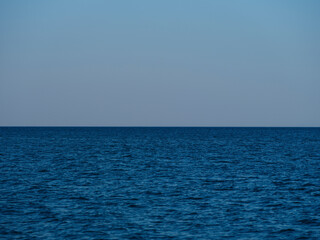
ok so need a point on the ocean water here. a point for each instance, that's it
(160, 183)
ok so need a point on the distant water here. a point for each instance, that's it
(160, 183)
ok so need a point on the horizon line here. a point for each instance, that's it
(140, 126)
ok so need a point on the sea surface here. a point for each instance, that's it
(159, 183)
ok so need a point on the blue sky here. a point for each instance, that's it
(160, 63)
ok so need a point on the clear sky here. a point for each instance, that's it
(160, 63)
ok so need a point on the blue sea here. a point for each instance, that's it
(159, 183)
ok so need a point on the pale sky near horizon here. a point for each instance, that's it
(160, 63)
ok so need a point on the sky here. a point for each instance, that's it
(160, 63)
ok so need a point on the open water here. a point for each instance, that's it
(159, 183)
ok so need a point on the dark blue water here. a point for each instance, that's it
(160, 183)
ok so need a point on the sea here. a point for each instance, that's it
(159, 183)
